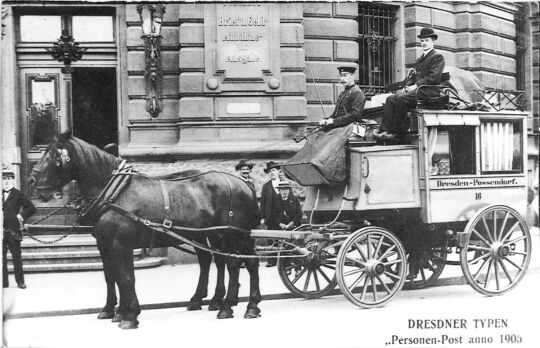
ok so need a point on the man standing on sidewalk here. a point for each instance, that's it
(270, 202)
(16, 208)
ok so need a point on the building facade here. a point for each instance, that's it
(200, 85)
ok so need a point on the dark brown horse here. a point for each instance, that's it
(197, 201)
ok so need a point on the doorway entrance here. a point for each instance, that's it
(94, 105)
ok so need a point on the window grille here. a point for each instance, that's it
(376, 38)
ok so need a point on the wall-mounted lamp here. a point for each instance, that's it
(151, 17)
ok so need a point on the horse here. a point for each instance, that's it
(211, 205)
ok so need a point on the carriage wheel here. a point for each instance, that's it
(311, 277)
(371, 267)
(497, 250)
(431, 264)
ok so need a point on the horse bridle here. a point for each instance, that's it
(63, 165)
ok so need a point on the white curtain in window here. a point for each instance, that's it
(497, 146)
(432, 141)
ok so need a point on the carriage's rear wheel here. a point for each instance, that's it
(497, 250)
(314, 276)
(371, 267)
(430, 263)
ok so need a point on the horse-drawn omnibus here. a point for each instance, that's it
(458, 185)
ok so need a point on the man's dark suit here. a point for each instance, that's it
(429, 69)
(291, 211)
(16, 203)
(270, 206)
(349, 107)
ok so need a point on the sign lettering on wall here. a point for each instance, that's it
(476, 182)
(243, 35)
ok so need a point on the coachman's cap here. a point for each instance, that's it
(348, 69)
(271, 165)
(243, 163)
(427, 32)
(8, 174)
(284, 185)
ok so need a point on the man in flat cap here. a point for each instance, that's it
(16, 208)
(429, 68)
(350, 103)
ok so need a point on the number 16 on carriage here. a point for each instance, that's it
(459, 186)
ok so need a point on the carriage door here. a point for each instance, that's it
(45, 109)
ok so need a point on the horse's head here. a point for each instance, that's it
(52, 172)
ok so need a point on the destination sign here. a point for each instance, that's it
(475, 182)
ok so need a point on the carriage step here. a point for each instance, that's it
(61, 256)
(147, 262)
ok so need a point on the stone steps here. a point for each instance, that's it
(76, 252)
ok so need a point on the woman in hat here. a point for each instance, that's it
(429, 68)
(270, 201)
(243, 168)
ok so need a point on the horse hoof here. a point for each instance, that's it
(214, 306)
(128, 325)
(194, 307)
(117, 318)
(225, 314)
(252, 313)
(105, 315)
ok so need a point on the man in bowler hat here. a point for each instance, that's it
(291, 211)
(350, 103)
(270, 212)
(16, 208)
(429, 68)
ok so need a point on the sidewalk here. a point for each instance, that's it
(166, 286)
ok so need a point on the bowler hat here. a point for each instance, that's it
(283, 184)
(349, 69)
(427, 32)
(243, 163)
(8, 174)
(271, 165)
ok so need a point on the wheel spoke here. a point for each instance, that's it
(510, 231)
(355, 262)
(518, 253)
(316, 278)
(506, 271)
(378, 248)
(364, 289)
(369, 245)
(392, 275)
(481, 237)
(503, 224)
(488, 273)
(496, 265)
(476, 247)
(360, 251)
(354, 271)
(515, 240)
(374, 288)
(328, 266)
(324, 275)
(487, 229)
(494, 225)
(480, 269)
(423, 274)
(389, 263)
(306, 284)
(299, 275)
(386, 252)
(384, 284)
(513, 263)
(483, 256)
(358, 280)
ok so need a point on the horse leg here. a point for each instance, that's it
(205, 259)
(253, 311)
(125, 277)
(108, 311)
(217, 300)
(233, 267)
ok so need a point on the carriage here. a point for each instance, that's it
(402, 212)
(407, 210)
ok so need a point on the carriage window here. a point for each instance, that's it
(502, 147)
(451, 150)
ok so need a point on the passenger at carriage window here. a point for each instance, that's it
(244, 168)
(16, 208)
(350, 103)
(291, 211)
(429, 68)
(271, 202)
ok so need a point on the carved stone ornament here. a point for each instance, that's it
(66, 50)
(4, 15)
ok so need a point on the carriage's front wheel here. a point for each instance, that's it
(371, 267)
(497, 250)
(429, 263)
(313, 276)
